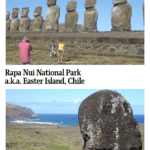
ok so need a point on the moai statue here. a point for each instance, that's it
(7, 21)
(52, 16)
(121, 16)
(90, 16)
(106, 123)
(38, 20)
(71, 18)
(143, 13)
(25, 20)
(14, 26)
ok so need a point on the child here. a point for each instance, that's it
(52, 52)
(60, 50)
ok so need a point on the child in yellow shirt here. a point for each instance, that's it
(60, 50)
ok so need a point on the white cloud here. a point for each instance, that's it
(77, 100)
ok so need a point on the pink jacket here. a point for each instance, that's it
(24, 48)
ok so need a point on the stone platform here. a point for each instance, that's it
(100, 43)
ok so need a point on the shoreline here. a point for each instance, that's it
(36, 124)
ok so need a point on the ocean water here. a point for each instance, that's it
(63, 119)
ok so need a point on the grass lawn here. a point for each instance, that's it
(42, 57)
(42, 137)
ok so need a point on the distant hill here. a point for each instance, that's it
(14, 112)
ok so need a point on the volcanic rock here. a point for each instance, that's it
(121, 16)
(107, 123)
(14, 26)
(7, 21)
(119, 1)
(71, 18)
(38, 20)
(52, 16)
(90, 16)
(25, 20)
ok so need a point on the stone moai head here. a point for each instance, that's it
(119, 1)
(7, 15)
(25, 11)
(51, 2)
(106, 122)
(37, 11)
(90, 3)
(71, 6)
(15, 12)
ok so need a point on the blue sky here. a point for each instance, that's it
(103, 6)
(66, 101)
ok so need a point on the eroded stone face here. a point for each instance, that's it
(106, 122)
(52, 17)
(90, 3)
(7, 15)
(121, 16)
(119, 1)
(37, 11)
(25, 11)
(7, 21)
(51, 2)
(71, 18)
(71, 6)
(15, 12)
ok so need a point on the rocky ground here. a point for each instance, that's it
(44, 137)
(42, 57)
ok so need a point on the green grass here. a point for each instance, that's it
(42, 57)
(49, 138)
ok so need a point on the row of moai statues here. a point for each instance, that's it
(120, 20)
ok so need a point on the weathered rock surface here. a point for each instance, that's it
(38, 20)
(25, 20)
(52, 16)
(106, 122)
(119, 1)
(14, 26)
(14, 112)
(71, 18)
(71, 6)
(7, 21)
(121, 16)
(90, 16)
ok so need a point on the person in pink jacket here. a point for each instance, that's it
(25, 49)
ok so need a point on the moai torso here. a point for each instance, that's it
(90, 16)
(7, 21)
(52, 16)
(25, 20)
(121, 16)
(71, 18)
(14, 26)
(38, 20)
